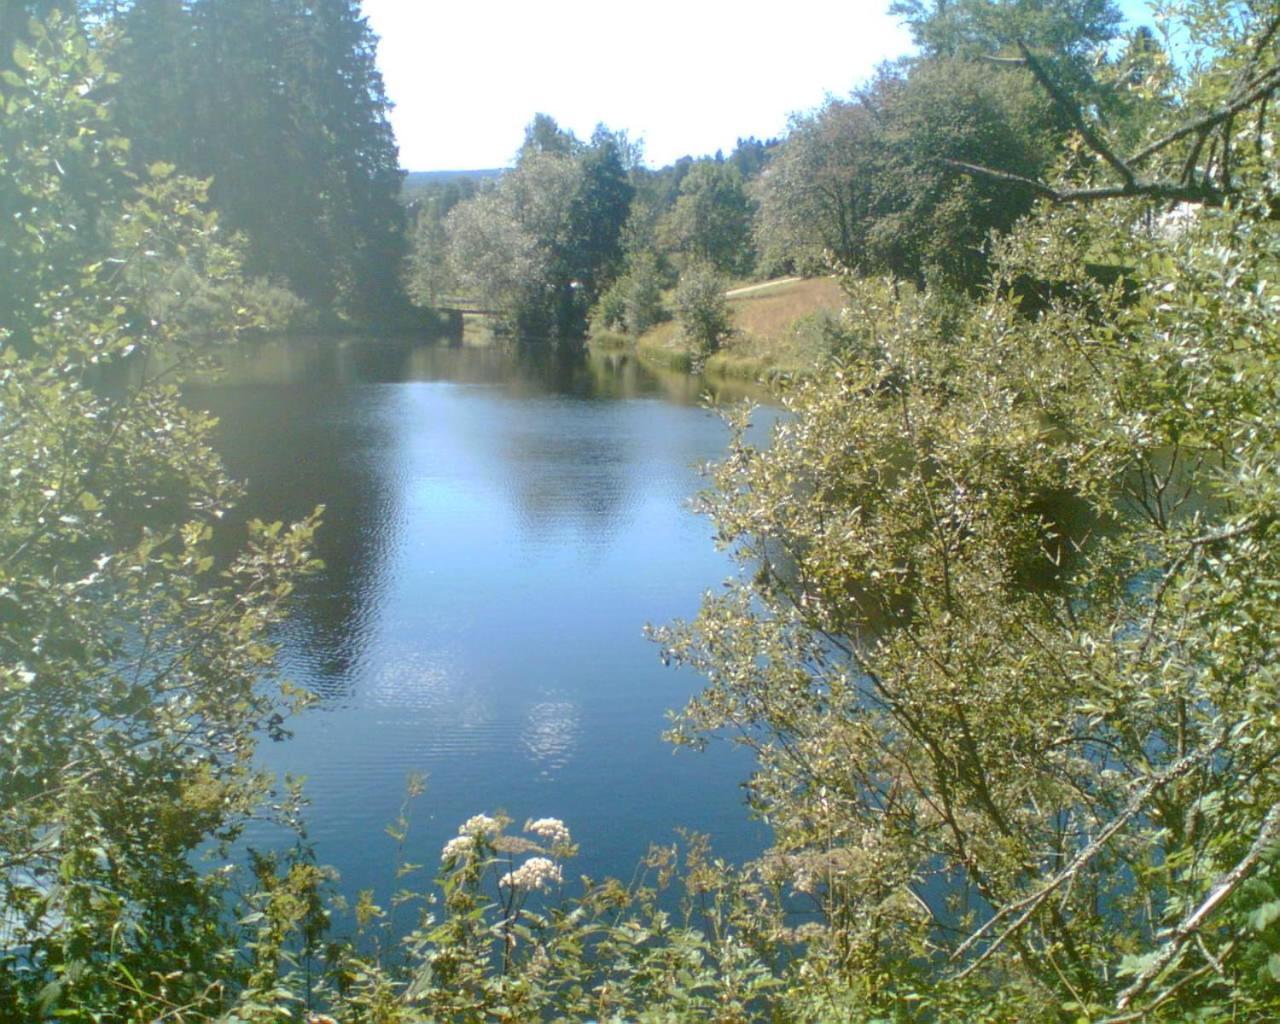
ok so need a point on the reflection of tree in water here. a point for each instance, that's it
(566, 466)
(302, 424)
(298, 447)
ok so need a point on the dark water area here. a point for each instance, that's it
(499, 527)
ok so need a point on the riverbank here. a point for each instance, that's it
(781, 328)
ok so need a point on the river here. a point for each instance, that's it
(499, 527)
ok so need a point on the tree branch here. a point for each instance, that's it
(1191, 924)
(1072, 109)
(1263, 88)
(1027, 906)
(1203, 195)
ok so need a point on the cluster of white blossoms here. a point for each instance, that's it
(553, 830)
(458, 846)
(479, 825)
(535, 873)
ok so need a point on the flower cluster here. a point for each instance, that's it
(553, 830)
(458, 846)
(535, 873)
(479, 825)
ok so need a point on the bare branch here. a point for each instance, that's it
(1255, 89)
(1072, 109)
(1017, 179)
(1203, 195)
(1263, 88)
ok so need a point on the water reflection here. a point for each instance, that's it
(550, 734)
(499, 527)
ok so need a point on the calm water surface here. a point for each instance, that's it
(499, 528)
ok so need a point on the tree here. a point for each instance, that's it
(977, 28)
(547, 238)
(597, 215)
(818, 196)
(279, 102)
(135, 672)
(1004, 636)
(702, 309)
(871, 182)
(711, 219)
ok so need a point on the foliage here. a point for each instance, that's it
(135, 674)
(280, 103)
(701, 308)
(427, 274)
(688, 939)
(1004, 638)
(711, 219)
(865, 184)
(981, 27)
(543, 242)
(633, 302)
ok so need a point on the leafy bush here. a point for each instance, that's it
(702, 309)
(136, 672)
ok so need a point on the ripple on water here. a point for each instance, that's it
(550, 734)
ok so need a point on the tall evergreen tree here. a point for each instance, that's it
(279, 102)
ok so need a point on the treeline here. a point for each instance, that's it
(873, 183)
(281, 105)
(574, 222)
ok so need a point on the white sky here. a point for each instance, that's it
(686, 76)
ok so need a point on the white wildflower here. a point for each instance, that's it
(478, 825)
(535, 873)
(458, 846)
(553, 830)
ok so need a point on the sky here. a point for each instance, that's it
(685, 76)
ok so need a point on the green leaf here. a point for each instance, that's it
(22, 56)
(1264, 915)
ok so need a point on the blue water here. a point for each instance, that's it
(498, 531)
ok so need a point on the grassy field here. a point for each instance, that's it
(777, 331)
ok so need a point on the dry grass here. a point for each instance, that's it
(769, 313)
(771, 336)
(775, 333)
(665, 346)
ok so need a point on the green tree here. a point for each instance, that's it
(1004, 636)
(975, 28)
(872, 185)
(711, 219)
(282, 105)
(134, 673)
(542, 243)
(702, 309)
(819, 196)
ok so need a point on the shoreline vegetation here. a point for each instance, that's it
(779, 329)
(1002, 640)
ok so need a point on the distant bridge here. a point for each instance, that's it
(455, 304)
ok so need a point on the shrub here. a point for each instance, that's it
(702, 309)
